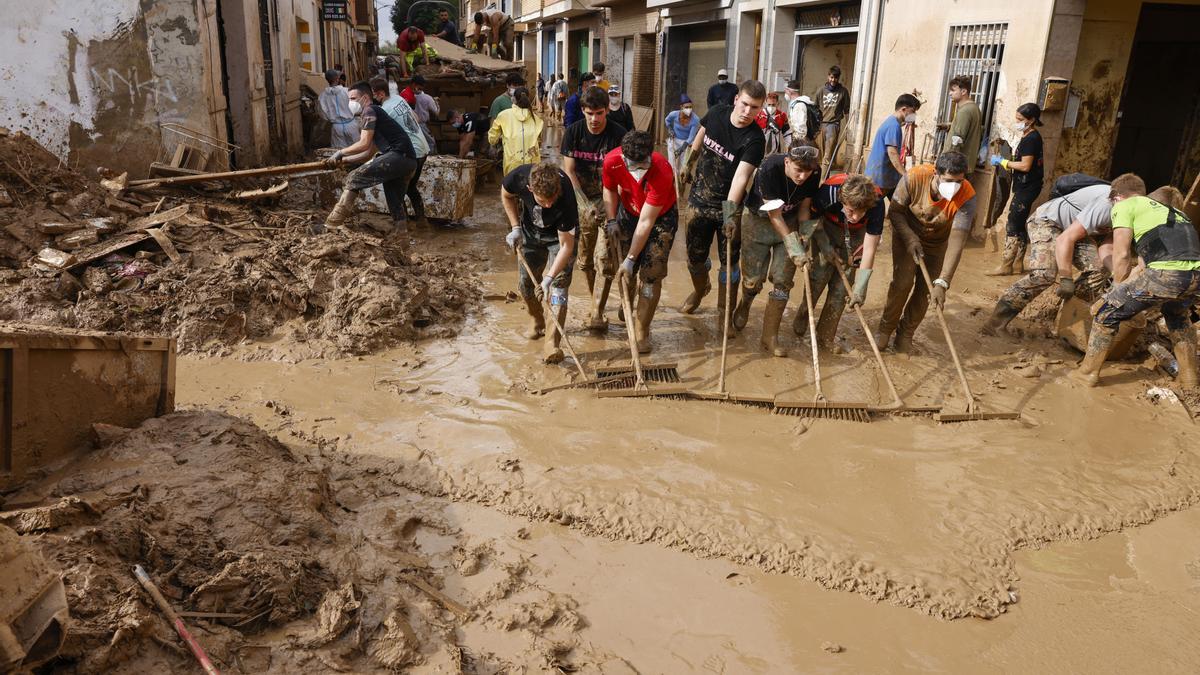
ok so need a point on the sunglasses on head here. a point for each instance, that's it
(804, 152)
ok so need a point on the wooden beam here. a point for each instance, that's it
(229, 175)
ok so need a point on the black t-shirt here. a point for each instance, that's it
(772, 182)
(388, 134)
(588, 151)
(1031, 144)
(538, 223)
(725, 147)
(475, 122)
(622, 117)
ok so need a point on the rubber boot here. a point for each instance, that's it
(772, 316)
(741, 312)
(903, 342)
(1019, 261)
(645, 314)
(1185, 355)
(1099, 344)
(827, 333)
(883, 336)
(551, 352)
(1005, 267)
(597, 321)
(700, 288)
(998, 321)
(342, 210)
(538, 326)
(721, 288)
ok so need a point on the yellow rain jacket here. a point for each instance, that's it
(520, 132)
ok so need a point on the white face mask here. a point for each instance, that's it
(1020, 127)
(355, 107)
(771, 110)
(511, 91)
(686, 111)
(614, 104)
(947, 189)
(910, 118)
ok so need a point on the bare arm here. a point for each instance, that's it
(698, 144)
(1023, 166)
(566, 249)
(610, 203)
(512, 207)
(737, 189)
(894, 157)
(870, 245)
(568, 167)
(1122, 245)
(778, 223)
(954, 249)
(366, 139)
(642, 233)
(1064, 247)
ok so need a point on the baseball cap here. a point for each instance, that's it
(722, 73)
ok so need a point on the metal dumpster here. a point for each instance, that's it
(57, 382)
(447, 185)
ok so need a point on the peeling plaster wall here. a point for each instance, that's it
(93, 80)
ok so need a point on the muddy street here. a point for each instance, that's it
(923, 529)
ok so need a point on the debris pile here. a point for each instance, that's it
(212, 269)
(280, 560)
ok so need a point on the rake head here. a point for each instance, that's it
(976, 416)
(652, 372)
(646, 391)
(845, 412)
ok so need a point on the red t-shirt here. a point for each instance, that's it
(409, 39)
(409, 95)
(657, 187)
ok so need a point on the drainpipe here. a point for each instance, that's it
(864, 78)
(768, 27)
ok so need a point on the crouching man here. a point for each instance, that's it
(1168, 244)
(639, 200)
(781, 196)
(540, 204)
(931, 214)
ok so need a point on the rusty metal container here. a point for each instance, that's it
(56, 383)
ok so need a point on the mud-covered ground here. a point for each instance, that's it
(662, 535)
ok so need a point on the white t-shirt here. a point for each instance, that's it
(1089, 205)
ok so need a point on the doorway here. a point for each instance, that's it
(1158, 128)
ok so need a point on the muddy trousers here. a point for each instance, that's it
(907, 295)
(591, 221)
(1043, 270)
(763, 257)
(701, 230)
(393, 171)
(824, 279)
(650, 268)
(1018, 210)
(539, 253)
(1173, 291)
(414, 190)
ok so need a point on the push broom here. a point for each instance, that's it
(640, 387)
(973, 412)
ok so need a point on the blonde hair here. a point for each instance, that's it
(858, 192)
(1168, 195)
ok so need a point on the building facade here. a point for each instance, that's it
(119, 83)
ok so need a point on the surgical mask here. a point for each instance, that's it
(687, 110)
(614, 103)
(511, 91)
(770, 110)
(722, 80)
(910, 118)
(948, 189)
(355, 107)
(1019, 126)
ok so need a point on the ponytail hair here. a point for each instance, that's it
(1031, 111)
(521, 98)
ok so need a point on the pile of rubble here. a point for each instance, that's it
(212, 268)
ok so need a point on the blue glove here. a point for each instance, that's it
(996, 159)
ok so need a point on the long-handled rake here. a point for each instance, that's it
(721, 393)
(819, 407)
(973, 412)
(898, 406)
(640, 386)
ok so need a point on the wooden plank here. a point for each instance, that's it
(177, 157)
(1191, 203)
(164, 242)
(97, 251)
(156, 219)
(642, 117)
(229, 175)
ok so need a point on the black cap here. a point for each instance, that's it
(418, 79)
(332, 75)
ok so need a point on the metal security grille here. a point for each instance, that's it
(829, 16)
(976, 50)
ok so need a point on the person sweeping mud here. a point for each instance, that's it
(1169, 246)
(931, 214)
(771, 242)
(727, 150)
(393, 167)
(540, 204)
(851, 213)
(1065, 231)
(585, 144)
(639, 200)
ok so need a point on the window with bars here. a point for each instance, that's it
(975, 50)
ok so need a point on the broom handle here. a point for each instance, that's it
(728, 310)
(887, 376)
(553, 316)
(812, 335)
(962, 376)
(630, 319)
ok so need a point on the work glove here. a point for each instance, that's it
(914, 248)
(956, 140)
(731, 215)
(996, 159)
(795, 251)
(1066, 288)
(859, 296)
(514, 238)
(627, 268)
(611, 229)
(937, 295)
(334, 160)
(544, 290)
(689, 168)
